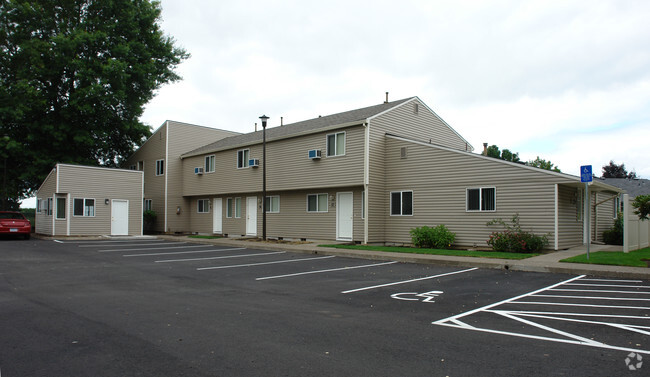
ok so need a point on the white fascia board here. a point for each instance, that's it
(54, 169)
(573, 178)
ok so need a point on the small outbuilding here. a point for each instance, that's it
(77, 200)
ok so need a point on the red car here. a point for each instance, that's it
(14, 223)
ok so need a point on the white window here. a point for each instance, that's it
(83, 207)
(273, 204)
(60, 208)
(336, 144)
(237, 208)
(229, 207)
(242, 158)
(203, 205)
(160, 167)
(39, 205)
(401, 203)
(147, 204)
(481, 199)
(140, 165)
(49, 206)
(209, 164)
(618, 206)
(317, 203)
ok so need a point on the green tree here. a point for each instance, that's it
(543, 164)
(75, 76)
(642, 205)
(616, 171)
(506, 154)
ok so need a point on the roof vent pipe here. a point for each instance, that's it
(485, 149)
(386, 98)
(281, 121)
(255, 126)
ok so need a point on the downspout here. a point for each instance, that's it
(166, 171)
(557, 219)
(68, 215)
(142, 203)
(366, 180)
(54, 201)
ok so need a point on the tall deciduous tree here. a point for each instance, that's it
(543, 164)
(506, 154)
(616, 171)
(74, 78)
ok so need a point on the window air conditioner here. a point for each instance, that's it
(198, 171)
(254, 162)
(314, 154)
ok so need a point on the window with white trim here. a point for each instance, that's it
(273, 204)
(160, 167)
(209, 164)
(203, 205)
(481, 199)
(39, 205)
(336, 144)
(49, 206)
(229, 207)
(237, 208)
(401, 203)
(83, 207)
(147, 204)
(60, 208)
(242, 158)
(317, 203)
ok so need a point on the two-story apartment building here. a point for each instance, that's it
(367, 175)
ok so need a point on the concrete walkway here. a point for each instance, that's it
(544, 263)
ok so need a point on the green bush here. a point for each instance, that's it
(514, 239)
(433, 238)
(149, 218)
(614, 236)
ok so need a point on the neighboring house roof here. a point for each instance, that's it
(633, 187)
(348, 118)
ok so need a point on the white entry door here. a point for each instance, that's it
(120, 217)
(217, 214)
(251, 216)
(344, 213)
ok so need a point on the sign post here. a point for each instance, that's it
(586, 177)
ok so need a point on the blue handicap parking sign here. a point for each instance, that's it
(585, 173)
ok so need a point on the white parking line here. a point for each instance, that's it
(409, 281)
(612, 285)
(223, 257)
(599, 291)
(147, 243)
(561, 336)
(152, 248)
(183, 252)
(595, 297)
(320, 271)
(261, 264)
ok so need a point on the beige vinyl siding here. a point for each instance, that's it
(100, 184)
(43, 221)
(199, 222)
(183, 138)
(154, 188)
(288, 166)
(402, 121)
(570, 226)
(439, 179)
(292, 222)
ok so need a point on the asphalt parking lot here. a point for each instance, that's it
(164, 308)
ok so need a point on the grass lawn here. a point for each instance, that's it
(205, 237)
(459, 253)
(615, 258)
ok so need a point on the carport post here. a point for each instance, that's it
(626, 223)
(264, 118)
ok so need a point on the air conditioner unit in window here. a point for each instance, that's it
(198, 171)
(314, 154)
(254, 162)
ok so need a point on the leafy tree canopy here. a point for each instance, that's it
(493, 151)
(74, 78)
(616, 171)
(543, 164)
(642, 205)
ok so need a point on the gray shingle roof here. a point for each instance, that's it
(633, 187)
(306, 126)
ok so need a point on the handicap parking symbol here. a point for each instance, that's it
(413, 296)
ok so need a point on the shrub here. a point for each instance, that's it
(614, 236)
(435, 238)
(149, 218)
(515, 239)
